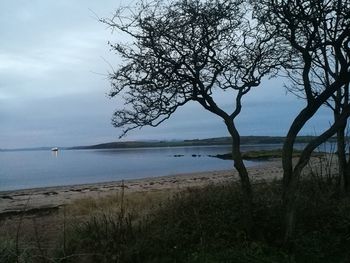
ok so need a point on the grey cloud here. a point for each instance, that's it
(54, 59)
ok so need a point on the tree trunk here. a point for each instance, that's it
(290, 182)
(342, 162)
(290, 179)
(347, 178)
(243, 175)
(289, 200)
(246, 188)
(292, 175)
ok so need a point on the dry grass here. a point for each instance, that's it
(135, 202)
(46, 231)
(192, 225)
(51, 223)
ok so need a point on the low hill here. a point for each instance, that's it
(245, 140)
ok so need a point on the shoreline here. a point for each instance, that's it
(53, 197)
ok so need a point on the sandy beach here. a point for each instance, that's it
(32, 200)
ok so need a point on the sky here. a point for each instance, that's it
(54, 62)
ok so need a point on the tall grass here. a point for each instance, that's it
(324, 168)
(206, 225)
(201, 225)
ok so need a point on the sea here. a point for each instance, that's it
(44, 168)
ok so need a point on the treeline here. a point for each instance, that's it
(245, 140)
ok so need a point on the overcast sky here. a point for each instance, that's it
(54, 59)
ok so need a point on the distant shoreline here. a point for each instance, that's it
(245, 140)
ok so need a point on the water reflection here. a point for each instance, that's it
(54, 153)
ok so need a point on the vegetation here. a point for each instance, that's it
(202, 225)
(245, 140)
(256, 155)
(188, 51)
(262, 154)
(183, 51)
(316, 35)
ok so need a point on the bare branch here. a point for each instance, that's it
(182, 51)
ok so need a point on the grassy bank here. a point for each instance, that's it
(195, 225)
(264, 154)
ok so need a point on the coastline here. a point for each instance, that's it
(46, 198)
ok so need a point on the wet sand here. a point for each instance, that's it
(13, 202)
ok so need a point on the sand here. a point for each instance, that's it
(14, 202)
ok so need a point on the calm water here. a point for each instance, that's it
(30, 169)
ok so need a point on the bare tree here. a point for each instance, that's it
(323, 72)
(317, 33)
(184, 51)
(341, 103)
